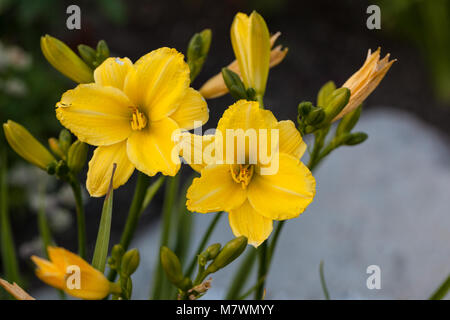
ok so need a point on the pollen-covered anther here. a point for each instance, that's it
(242, 174)
(138, 119)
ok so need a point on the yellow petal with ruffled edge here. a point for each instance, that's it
(246, 221)
(290, 140)
(49, 273)
(97, 115)
(285, 194)
(101, 165)
(153, 150)
(214, 191)
(112, 72)
(158, 82)
(192, 112)
(251, 44)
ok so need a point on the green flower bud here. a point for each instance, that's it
(228, 254)
(102, 52)
(349, 121)
(209, 254)
(336, 102)
(76, 156)
(88, 54)
(53, 143)
(130, 262)
(197, 51)
(116, 256)
(171, 265)
(304, 108)
(234, 84)
(63, 59)
(51, 168)
(65, 140)
(61, 168)
(355, 138)
(324, 93)
(315, 117)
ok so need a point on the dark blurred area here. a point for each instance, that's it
(327, 40)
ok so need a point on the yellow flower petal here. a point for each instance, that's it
(49, 273)
(101, 165)
(215, 87)
(291, 141)
(96, 115)
(251, 44)
(197, 150)
(214, 191)
(246, 221)
(158, 82)
(112, 72)
(246, 115)
(192, 109)
(283, 195)
(153, 150)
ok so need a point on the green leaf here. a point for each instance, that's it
(102, 244)
(442, 291)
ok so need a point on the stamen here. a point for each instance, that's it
(138, 119)
(242, 174)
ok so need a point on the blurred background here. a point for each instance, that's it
(384, 202)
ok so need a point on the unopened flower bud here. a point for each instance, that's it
(228, 254)
(171, 265)
(209, 254)
(304, 108)
(26, 146)
(234, 84)
(76, 156)
(88, 54)
(315, 117)
(349, 121)
(65, 140)
(335, 103)
(53, 143)
(324, 93)
(197, 51)
(355, 138)
(102, 52)
(63, 59)
(130, 262)
(61, 169)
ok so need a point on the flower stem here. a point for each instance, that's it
(262, 270)
(81, 222)
(134, 214)
(203, 243)
(160, 281)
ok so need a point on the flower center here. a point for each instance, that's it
(138, 119)
(242, 173)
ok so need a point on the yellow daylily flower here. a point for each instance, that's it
(252, 199)
(130, 114)
(26, 146)
(363, 82)
(251, 44)
(63, 59)
(68, 272)
(215, 87)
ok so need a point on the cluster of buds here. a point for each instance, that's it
(125, 264)
(67, 158)
(80, 67)
(215, 255)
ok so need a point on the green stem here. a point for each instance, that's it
(160, 281)
(9, 258)
(203, 243)
(262, 270)
(322, 282)
(81, 222)
(241, 276)
(442, 291)
(134, 214)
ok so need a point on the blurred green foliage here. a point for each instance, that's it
(427, 24)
